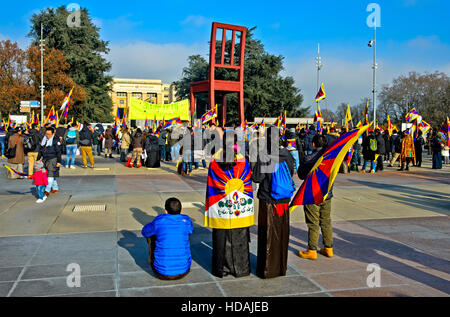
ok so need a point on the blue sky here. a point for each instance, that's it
(149, 40)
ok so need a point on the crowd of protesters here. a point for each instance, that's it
(265, 151)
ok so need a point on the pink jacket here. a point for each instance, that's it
(40, 178)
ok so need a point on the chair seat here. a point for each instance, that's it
(219, 85)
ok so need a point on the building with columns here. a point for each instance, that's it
(151, 90)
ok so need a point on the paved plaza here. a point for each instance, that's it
(398, 220)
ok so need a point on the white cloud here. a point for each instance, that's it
(196, 20)
(152, 61)
(424, 42)
(348, 81)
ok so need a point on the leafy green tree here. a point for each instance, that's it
(266, 92)
(84, 51)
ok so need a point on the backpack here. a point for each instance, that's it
(373, 144)
(29, 143)
(283, 186)
(71, 137)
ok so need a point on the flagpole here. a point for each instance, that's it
(42, 76)
(319, 67)
(374, 76)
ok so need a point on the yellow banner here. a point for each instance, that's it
(142, 110)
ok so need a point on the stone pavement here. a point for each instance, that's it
(398, 220)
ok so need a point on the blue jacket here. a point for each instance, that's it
(172, 250)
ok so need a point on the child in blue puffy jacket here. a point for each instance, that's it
(168, 239)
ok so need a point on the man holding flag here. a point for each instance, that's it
(319, 171)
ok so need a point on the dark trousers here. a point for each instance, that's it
(162, 151)
(151, 248)
(379, 163)
(273, 240)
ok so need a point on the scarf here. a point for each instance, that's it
(47, 143)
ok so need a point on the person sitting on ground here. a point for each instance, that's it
(168, 240)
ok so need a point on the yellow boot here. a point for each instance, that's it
(328, 252)
(308, 254)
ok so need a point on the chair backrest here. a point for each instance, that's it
(235, 50)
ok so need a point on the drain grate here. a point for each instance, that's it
(89, 208)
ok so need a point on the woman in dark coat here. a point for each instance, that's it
(273, 215)
(109, 142)
(152, 149)
(436, 149)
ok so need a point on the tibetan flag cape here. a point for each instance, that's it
(229, 196)
(316, 186)
(321, 94)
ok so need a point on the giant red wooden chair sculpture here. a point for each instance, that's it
(217, 60)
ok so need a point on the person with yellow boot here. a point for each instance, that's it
(317, 217)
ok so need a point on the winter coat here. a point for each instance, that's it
(264, 178)
(20, 152)
(125, 141)
(40, 178)
(172, 247)
(77, 138)
(308, 140)
(138, 140)
(153, 153)
(109, 138)
(368, 154)
(381, 144)
(86, 137)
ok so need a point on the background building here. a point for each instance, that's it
(151, 90)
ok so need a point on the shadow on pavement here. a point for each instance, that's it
(365, 249)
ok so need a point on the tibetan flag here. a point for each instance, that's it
(71, 122)
(146, 125)
(390, 127)
(348, 117)
(445, 130)
(263, 123)
(13, 171)
(229, 196)
(66, 112)
(412, 115)
(211, 114)
(366, 113)
(321, 94)
(424, 126)
(359, 124)
(318, 120)
(66, 101)
(317, 184)
(172, 122)
(283, 127)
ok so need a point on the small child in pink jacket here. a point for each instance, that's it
(40, 180)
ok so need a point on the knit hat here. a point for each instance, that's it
(39, 165)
